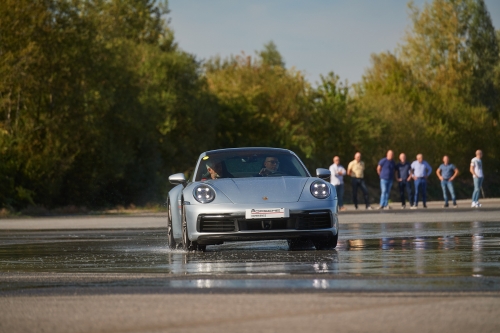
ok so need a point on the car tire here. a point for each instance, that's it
(188, 245)
(326, 244)
(170, 232)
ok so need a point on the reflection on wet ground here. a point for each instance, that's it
(364, 250)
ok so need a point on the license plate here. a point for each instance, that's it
(267, 213)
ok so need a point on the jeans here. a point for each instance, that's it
(420, 187)
(448, 184)
(340, 194)
(359, 182)
(385, 187)
(478, 182)
(402, 186)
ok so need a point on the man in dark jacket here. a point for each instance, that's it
(403, 177)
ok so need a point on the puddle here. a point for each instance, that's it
(364, 250)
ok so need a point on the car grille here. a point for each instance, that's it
(302, 221)
(217, 223)
(314, 220)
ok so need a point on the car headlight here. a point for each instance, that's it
(320, 189)
(204, 193)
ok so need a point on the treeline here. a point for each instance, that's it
(98, 105)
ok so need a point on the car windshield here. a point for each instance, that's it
(249, 163)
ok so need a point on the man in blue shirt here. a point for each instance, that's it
(403, 177)
(446, 173)
(420, 170)
(385, 170)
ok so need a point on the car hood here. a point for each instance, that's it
(260, 190)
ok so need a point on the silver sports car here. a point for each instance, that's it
(242, 194)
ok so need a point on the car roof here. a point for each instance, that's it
(249, 149)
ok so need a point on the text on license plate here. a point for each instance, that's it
(267, 213)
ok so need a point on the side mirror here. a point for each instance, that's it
(177, 179)
(323, 173)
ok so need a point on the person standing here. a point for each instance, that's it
(447, 173)
(356, 170)
(420, 171)
(476, 168)
(403, 176)
(385, 170)
(337, 179)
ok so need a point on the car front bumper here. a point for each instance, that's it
(214, 224)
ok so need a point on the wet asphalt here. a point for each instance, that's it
(429, 270)
(439, 256)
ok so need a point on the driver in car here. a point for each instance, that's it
(271, 165)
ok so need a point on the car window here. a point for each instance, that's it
(249, 164)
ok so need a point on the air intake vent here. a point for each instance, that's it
(314, 220)
(217, 224)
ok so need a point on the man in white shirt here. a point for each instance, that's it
(420, 170)
(337, 180)
(476, 168)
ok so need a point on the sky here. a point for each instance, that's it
(314, 36)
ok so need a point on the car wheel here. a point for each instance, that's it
(170, 232)
(187, 244)
(326, 244)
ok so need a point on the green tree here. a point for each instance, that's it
(260, 103)
(337, 125)
(271, 56)
(484, 47)
(432, 95)
(97, 104)
(452, 48)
